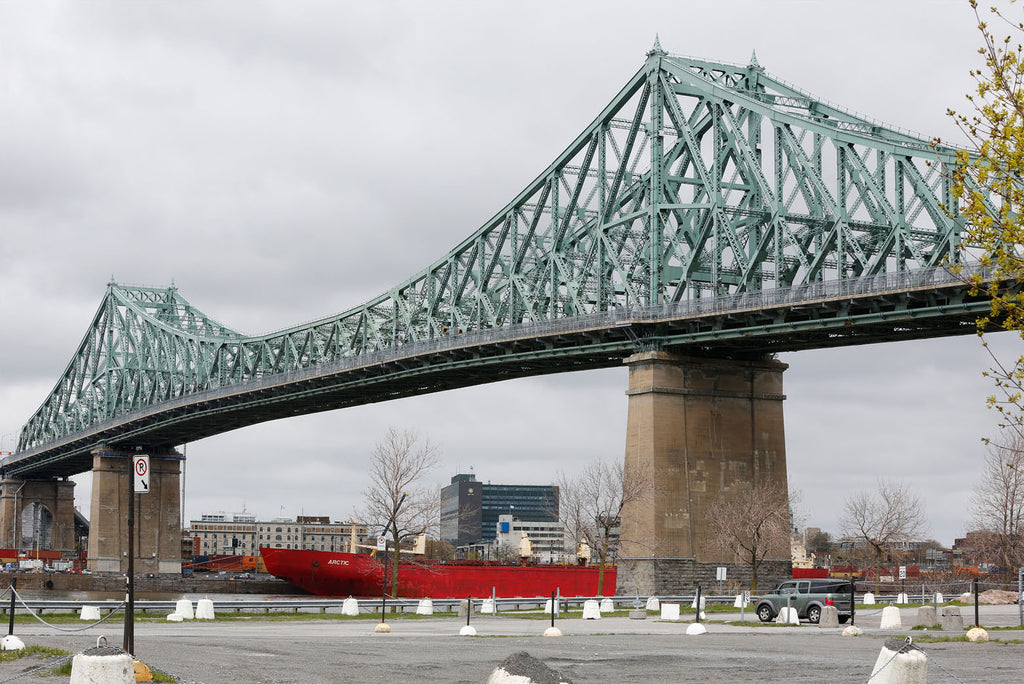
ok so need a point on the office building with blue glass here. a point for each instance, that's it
(470, 509)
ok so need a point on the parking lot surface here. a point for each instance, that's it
(611, 649)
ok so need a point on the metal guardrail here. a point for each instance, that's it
(401, 605)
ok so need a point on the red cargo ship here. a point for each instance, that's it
(328, 573)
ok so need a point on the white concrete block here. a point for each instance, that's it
(703, 602)
(852, 631)
(204, 609)
(90, 613)
(350, 606)
(896, 667)
(488, 607)
(591, 610)
(467, 630)
(788, 616)
(105, 669)
(740, 602)
(696, 629)
(425, 607)
(977, 634)
(901, 598)
(938, 597)
(184, 608)
(653, 603)
(552, 632)
(891, 618)
(11, 643)
(869, 599)
(607, 605)
(175, 617)
(669, 611)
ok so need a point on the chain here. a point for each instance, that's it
(68, 629)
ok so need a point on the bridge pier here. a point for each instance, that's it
(705, 428)
(56, 496)
(157, 513)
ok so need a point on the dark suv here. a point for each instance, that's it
(808, 596)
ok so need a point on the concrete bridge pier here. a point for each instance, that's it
(157, 513)
(55, 496)
(706, 429)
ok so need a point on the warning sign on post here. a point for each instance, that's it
(140, 467)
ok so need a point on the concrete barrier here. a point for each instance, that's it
(900, 662)
(939, 598)
(607, 605)
(204, 609)
(901, 599)
(787, 616)
(696, 629)
(869, 599)
(350, 607)
(740, 601)
(951, 619)
(11, 643)
(184, 608)
(891, 618)
(425, 607)
(653, 603)
(90, 613)
(488, 607)
(591, 610)
(829, 617)
(926, 617)
(175, 617)
(976, 634)
(669, 611)
(102, 665)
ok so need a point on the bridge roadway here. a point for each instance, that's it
(915, 304)
(612, 649)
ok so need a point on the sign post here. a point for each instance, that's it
(140, 485)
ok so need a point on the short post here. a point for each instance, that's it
(553, 604)
(469, 609)
(853, 600)
(494, 601)
(1020, 597)
(743, 606)
(977, 622)
(10, 622)
(697, 601)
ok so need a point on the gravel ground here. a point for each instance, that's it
(607, 650)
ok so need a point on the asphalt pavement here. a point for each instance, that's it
(611, 649)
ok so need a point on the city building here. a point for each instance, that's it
(240, 534)
(547, 539)
(470, 509)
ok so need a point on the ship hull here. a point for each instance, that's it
(326, 573)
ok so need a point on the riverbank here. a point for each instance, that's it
(208, 583)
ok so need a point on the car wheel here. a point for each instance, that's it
(764, 613)
(814, 614)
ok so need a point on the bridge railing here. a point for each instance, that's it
(865, 286)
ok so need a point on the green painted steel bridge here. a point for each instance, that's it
(709, 209)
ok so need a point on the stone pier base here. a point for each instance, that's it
(675, 576)
(157, 514)
(706, 431)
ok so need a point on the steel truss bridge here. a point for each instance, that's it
(709, 209)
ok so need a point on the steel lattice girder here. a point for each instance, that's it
(699, 179)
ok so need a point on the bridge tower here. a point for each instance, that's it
(157, 513)
(52, 505)
(707, 429)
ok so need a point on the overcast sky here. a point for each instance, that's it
(279, 162)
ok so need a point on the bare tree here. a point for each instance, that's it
(882, 519)
(754, 525)
(590, 505)
(392, 501)
(998, 504)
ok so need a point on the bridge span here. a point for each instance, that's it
(710, 216)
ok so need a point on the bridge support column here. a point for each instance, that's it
(157, 514)
(56, 496)
(705, 428)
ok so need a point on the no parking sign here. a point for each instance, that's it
(140, 468)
